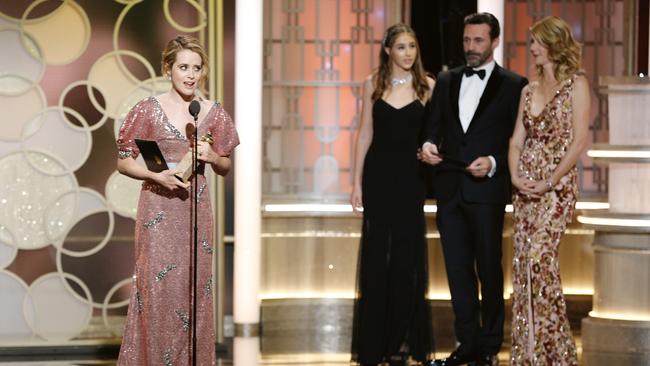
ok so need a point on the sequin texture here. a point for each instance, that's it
(126, 153)
(206, 246)
(185, 319)
(161, 275)
(208, 288)
(139, 303)
(167, 359)
(150, 336)
(201, 189)
(540, 327)
(155, 221)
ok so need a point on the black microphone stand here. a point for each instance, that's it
(195, 201)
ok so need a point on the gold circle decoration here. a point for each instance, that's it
(30, 183)
(89, 202)
(18, 110)
(63, 34)
(53, 311)
(73, 143)
(123, 194)
(91, 97)
(201, 12)
(109, 75)
(24, 69)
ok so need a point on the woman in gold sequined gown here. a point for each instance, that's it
(550, 134)
(158, 326)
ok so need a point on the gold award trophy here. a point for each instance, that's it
(185, 165)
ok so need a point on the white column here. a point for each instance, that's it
(248, 167)
(246, 351)
(498, 9)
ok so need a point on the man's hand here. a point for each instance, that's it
(480, 167)
(429, 154)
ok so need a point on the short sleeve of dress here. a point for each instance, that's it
(224, 132)
(132, 127)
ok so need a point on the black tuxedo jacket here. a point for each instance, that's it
(488, 134)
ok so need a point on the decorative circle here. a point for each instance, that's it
(201, 15)
(59, 215)
(13, 291)
(142, 90)
(18, 110)
(8, 250)
(93, 101)
(123, 194)
(8, 147)
(19, 10)
(64, 34)
(24, 69)
(108, 305)
(55, 313)
(88, 202)
(28, 184)
(109, 75)
(72, 143)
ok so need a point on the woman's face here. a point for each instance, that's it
(539, 52)
(403, 52)
(186, 72)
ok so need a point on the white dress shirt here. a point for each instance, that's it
(471, 90)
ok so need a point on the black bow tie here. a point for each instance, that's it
(469, 72)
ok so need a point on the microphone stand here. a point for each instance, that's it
(195, 200)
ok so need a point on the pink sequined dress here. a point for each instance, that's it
(540, 328)
(158, 325)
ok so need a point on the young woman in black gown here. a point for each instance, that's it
(391, 316)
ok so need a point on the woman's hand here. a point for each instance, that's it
(530, 188)
(356, 199)
(167, 179)
(206, 154)
(540, 187)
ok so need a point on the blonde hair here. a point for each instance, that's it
(563, 50)
(382, 75)
(178, 44)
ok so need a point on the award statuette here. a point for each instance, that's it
(185, 165)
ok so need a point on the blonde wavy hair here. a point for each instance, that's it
(563, 50)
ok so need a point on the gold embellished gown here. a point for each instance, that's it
(540, 328)
(158, 325)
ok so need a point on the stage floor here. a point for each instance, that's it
(275, 360)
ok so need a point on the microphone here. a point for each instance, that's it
(195, 108)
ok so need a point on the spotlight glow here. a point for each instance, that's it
(609, 221)
(619, 154)
(632, 316)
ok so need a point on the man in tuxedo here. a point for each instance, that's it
(471, 118)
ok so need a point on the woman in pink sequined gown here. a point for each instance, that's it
(550, 134)
(158, 326)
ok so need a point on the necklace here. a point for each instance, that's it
(396, 82)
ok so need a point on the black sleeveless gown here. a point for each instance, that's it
(391, 314)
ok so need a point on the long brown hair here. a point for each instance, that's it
(564, 51)
(382, 75)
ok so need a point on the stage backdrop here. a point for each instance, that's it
(69, 72)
